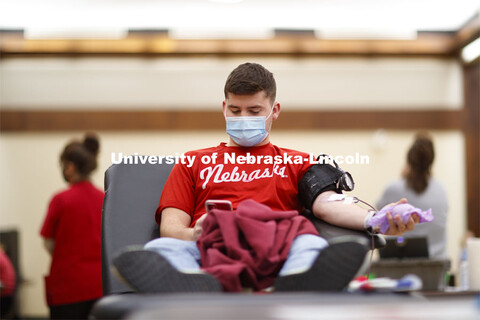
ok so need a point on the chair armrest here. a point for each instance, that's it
(329, 231)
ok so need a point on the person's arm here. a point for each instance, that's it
(352, 216)
(49, 245)
(50, 224)
(175, 224)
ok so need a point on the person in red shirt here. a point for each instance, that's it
(274, 179)
(71, 232)
(8, 282)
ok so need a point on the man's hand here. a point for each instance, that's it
(397, 227)
(197, 228)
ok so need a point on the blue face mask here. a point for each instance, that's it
(247, 131)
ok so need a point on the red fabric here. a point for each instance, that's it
(74, 222)
(7, 275)
(275, 185)
(249, 246)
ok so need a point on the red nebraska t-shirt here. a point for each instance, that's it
(267, 174)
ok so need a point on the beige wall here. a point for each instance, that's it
(193, 83)
(29, 168)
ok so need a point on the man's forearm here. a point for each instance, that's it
(338, 212)
(175, 224)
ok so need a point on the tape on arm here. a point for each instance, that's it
(341, 197)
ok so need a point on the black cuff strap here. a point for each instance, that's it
(319, 178)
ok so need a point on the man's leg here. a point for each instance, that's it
(165, 265)
(182, 255)
(302, 254)
(331, 268)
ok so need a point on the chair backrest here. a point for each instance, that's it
(132, 193)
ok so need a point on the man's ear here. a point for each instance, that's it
(276, 111)
(223, 106)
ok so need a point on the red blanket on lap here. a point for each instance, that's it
(247, 247)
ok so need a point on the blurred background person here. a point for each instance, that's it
(7, 284)
(424, 192)
(71, 232)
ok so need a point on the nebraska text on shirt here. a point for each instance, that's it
(232, 158)
(220, 176)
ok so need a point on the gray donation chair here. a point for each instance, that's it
(132, 193)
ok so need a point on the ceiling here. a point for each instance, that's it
(390, 19)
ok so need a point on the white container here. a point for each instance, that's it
(473, 258)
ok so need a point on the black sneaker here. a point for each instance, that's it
(334, 268)
(149, 272)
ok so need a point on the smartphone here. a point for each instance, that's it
(218, 204)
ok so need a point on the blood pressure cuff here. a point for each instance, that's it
(319, 178)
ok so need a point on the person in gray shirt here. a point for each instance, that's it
(424, 192)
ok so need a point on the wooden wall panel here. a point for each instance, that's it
(472, 138)
(26, 120)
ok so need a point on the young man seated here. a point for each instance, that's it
(173, 263)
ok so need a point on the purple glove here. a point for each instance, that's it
(404, 210)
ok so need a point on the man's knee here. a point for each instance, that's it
(309, 242)
(169, 244)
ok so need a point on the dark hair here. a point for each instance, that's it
(249, 79)
(420, 159)
(83, 155)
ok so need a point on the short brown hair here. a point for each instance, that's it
(249, 79)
